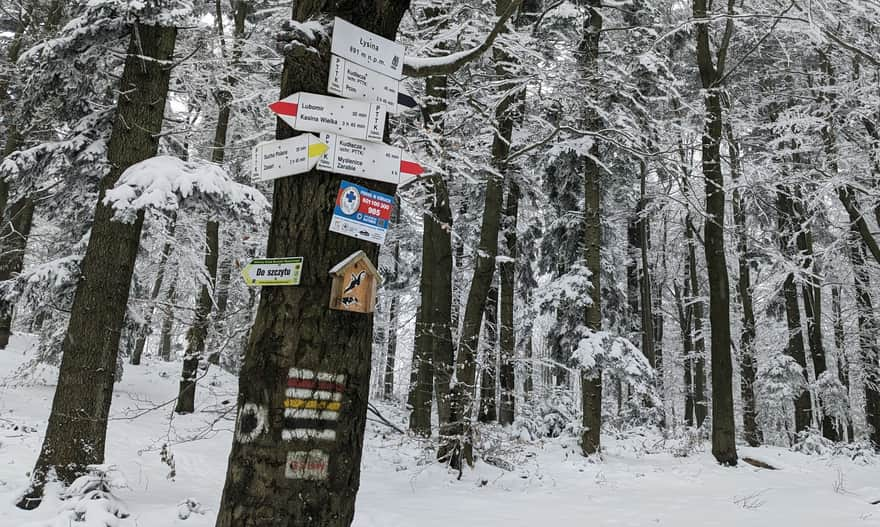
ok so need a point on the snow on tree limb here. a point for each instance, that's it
(431, 66)
(164, 182)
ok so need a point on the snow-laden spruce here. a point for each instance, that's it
(165, 182)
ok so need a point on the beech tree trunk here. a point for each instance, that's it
(279, 472)
(701, 402)
(77, 426)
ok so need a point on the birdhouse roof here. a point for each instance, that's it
(339, 268)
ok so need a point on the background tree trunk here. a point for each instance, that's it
(591, 382)
(748, 359)
(141, 339)
(868, 331)
(507, 270)
(78, 423)
(723, 427)
(488, 409)
(803, 411)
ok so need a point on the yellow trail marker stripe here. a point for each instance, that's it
(312, 404)
(317, 149)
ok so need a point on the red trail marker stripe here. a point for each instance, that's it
(317, 385)
(408, 167)
(284, 108)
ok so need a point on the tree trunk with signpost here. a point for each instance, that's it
(275, 474)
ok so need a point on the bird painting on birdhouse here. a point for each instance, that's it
(355, 282)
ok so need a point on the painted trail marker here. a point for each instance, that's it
(375, 161)
(367, 49)
(273, 271)
(309, 112)
(360, 83)
(287, 157)
(361, 213)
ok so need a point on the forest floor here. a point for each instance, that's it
(546, 482)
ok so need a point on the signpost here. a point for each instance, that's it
(273, 271)
(376, 161)
(353, 81)
(287, 157)
(361, 213)
(309, 112)
(367, 49)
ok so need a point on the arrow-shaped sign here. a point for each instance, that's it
(376, 161)
(318, 113)
(273, 271)
(287, 157)
(357, 82)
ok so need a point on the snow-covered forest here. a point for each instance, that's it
(431, 262)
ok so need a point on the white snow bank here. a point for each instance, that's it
(164, 182)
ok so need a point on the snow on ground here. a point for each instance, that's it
(550, 483)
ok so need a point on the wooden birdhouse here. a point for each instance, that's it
(355, 282)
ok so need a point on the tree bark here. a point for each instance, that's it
(76, 433)
(278, 473)
(701, 403)
(647, 304)
(165, 343)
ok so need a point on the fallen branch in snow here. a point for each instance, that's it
(757, 463)
(382, 418)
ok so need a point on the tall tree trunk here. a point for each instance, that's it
(141, 339)
(76, 433)
(694, 300)
(279, 471)
(647, 304)
(198, 332)
(685, 316)
(488, 409)
(748, 358)
(868, 331)
(723, 427)
(486, 253)
(811, 289)
(840, 349)
(165, 343)
(803, 413)
(591, 381)
(507, 270)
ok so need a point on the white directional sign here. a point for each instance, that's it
(375, 161)
(367, 49)
(318, 113)
(287, 157)
(273, 271)
(357, 82)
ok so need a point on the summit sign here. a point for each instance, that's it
(367, 49)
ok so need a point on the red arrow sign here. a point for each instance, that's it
(411, 167)
(284, 108)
